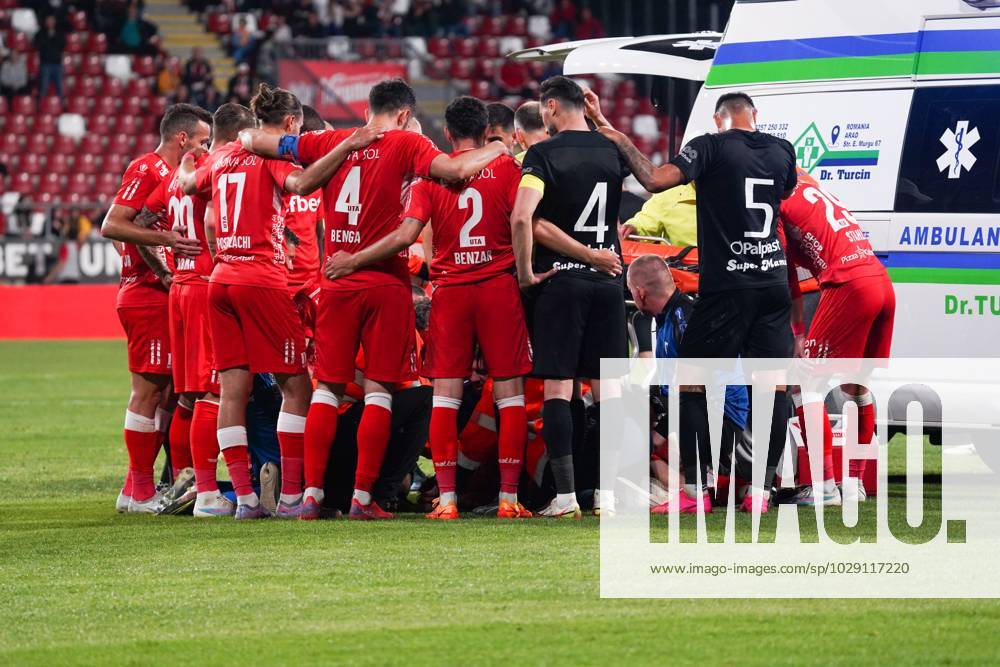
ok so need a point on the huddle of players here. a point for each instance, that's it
(231, 306)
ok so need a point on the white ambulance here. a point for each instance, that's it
(894, 106)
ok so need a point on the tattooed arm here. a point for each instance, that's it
(654, 179)
(152, 255)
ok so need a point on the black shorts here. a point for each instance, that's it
(576, 322)
(751, 323)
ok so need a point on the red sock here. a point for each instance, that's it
(291, 430)
(866, 431)
(205, 445)
(827, 440)
(233, 444)
(513, 438)
(127, 486)
(321, 429)
(143, 443)
(444, 441)
(180, 439)
(373, 437)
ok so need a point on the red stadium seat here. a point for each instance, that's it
(46, 123)
(51, 183)
(467, 47)
(144, 66)
(71, 64)
(157, 107)
(626, 89)
(101, 126)
(50, 104)
(149, 123)
(120, 144)
(87, 87)
(462, 68)
(107, 182)
(24, 104)
(88, 163)
(139, 88)
(75, 42)
(107, 106)
(481, 90)
(113, 88)
(23, 182)
(59, 163)
(147, 143)
(489, 47)
(45, 198)
(80, 105)
(18, 41)
(439, 47)
(365, 48)
(487, 69)
(79, 183)
(132, 106)
(16, 126)
(264, 20)
(487, 26)
(64, 145)
(93, 65)
(31, 163)
(78, 20)
(517, 26)
(38, 141)
(98, 43)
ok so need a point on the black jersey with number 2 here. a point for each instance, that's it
(741, 178)
(582, 173)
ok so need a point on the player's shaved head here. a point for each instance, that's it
(183, 118)
(528, 118)
(311, 120)
(229, 120)
(651, 283)
(466, 118)
(734, 103)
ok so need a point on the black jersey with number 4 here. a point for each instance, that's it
(741, 178)
(582, 174)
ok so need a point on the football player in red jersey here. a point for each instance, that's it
(142, 297)
(854, 318)
(371, 308)
(254, 325)
(193, 442)
(476, 299)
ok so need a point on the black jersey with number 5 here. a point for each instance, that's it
(741, 178)
(581, 173)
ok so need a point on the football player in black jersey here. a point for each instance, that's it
(741, 176)
(572, 182)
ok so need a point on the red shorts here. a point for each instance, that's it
(191, 339)
(306, 300)
(255, 327)
(380, 319)
(148, 333)
(853, 320)
(487, 312)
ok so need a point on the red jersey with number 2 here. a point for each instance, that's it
(247, 198)
(363, 199)
(185, 215)
(470, 222)
(820, 235)
(139, 285)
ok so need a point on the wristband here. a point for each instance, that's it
(798, 329)
(288, 145)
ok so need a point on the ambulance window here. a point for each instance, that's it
(951, 154)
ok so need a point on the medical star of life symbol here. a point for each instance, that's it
(957, 144)
(810, 148)
(697, 44)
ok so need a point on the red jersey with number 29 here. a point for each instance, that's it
(139, 285)
(185, 215)
(470, 222)
(363, 199)
(247, 198)
(820, 234)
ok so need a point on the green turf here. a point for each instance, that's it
(81, 584)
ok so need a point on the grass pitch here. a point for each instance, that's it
(82, 584)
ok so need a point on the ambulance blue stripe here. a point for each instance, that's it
(944, 260)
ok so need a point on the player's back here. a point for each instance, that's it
(582, 173)
(363, 200)
(186, 215)
(823, 236)
(470, 222)
(247, 198)
(139, 285)
(303, 214)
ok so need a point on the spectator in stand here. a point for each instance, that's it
(14, 75)
(360, 18)
(298, 16)
(170, 78)
(513, 80)
(211, 99)
(135, 32)
(242, 42)
(421, 20)
(281, 31)
(452, 13)
(50, 42)
(563, 18)
(588, 27)
(182, 94)
(66, 270)
(389, 21)
(241, 85)
(197, 72)
(314, 29)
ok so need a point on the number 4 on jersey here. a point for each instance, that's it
(349, 199)
(598, 198)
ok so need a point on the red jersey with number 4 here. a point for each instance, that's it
(302, 216)
(363, 199)
(186, 215)
(247, 199)
(820, 235)
(470, 222)
(139, 285)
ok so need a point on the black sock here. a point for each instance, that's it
(776, 442)
(693, 434)
(557, 429)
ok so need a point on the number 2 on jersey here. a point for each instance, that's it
(812, 195)
(238, 179)
(471, 197)
(181, 212)
(349, 199)
(598, 198)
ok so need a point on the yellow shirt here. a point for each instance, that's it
(671, 215)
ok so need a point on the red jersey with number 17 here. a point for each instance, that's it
(139, 285)
(247, 198)
(363, 199)
(470, 222)
(820, 234)
(185, 215)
